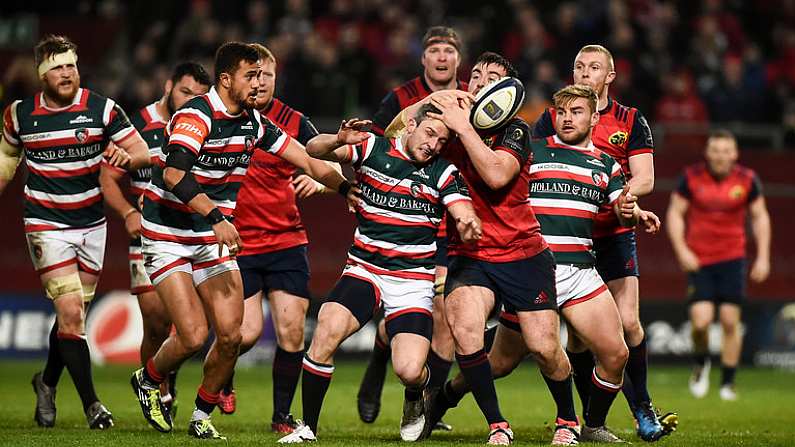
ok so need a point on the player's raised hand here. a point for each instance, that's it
(459, 97)
(469, 228)
(650, 222)
(353, 131)
(305, 186)
(116, 156)
(626, 204)
(453, 115)
(227, 235)
(760, 270)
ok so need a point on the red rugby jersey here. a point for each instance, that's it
(717, 213)
(622, 132)
(267, 216)
(510, 229)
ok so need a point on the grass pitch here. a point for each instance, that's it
(764, 415)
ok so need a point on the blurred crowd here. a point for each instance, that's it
(691, 62)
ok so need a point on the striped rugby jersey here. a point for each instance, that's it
(401, 209)
(63, 153)
(151, 126)
(223, 145)
(568, 187)
(622, 132)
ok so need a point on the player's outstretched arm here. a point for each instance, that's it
(466, 221)
(110, 179)
(10, 156)
(319, 170)
(675, 223)
(401, 120)
(332, 147)
(760, 226)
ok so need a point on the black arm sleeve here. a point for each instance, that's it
(179, 158)
(543, 127)
(683, 188)
(756, 189)
(387, 111)
(306, 130)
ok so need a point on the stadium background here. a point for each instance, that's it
(688, 66)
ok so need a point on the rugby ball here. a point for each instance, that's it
(497, 103)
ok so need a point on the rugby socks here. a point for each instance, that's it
(74, 353)
(582, 365)
(488, 337)
(728, 373)
(151, 375)
(205, 403)
(315, 382)
(54, 366)
(414, 393)
(439, 369)
(286, 371)
(564, 399)
(603, 393)
(636, 371)
(451, 395)
(701, 358)
(477, 370)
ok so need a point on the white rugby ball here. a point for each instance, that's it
(497, 103)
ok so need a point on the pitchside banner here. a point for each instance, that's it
(114, 331)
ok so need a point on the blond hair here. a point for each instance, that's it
(593, 48)
(264, 53)
(566, 95)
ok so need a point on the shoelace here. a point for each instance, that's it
(564, 434)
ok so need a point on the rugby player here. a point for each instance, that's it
(189, 245)
(405, 192)
(273, 263)
(570, 180)
(188, 80)
(624, 134)
(440, 60)
(511, 265)
(63, 133)
(707, 228)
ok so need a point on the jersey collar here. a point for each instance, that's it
(559, 142)
(218, 104)
(608, 107)
(75, 101)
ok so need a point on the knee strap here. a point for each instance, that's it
(63, 285)
(89, 290)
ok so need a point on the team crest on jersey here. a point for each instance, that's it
(415, 189)
(618, 138)
(81, 135)
(736, 192)
(600, 179)
(250, 139)
(488, 141)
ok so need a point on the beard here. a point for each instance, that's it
(243, 100)
(170, 106)
(57, 96)
(573, 139)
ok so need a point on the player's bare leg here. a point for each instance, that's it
(467, 308)
(409, 352)
(730, 349)
(156, 327)
(604, 337)
(442, 353)
(188, 315)
(702, 314)
(68, 288)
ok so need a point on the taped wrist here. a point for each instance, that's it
(186, 189)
